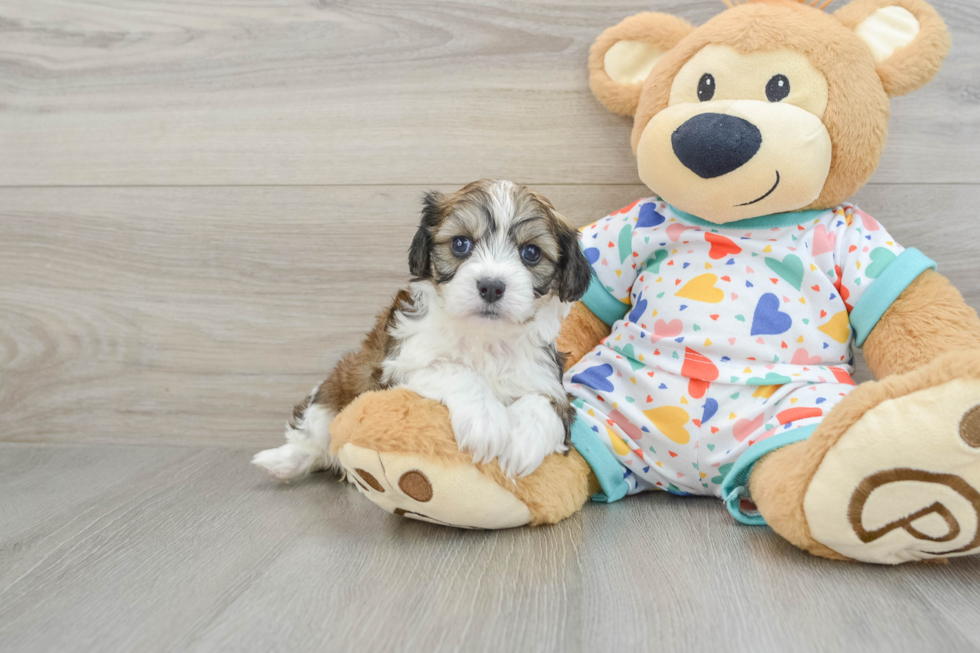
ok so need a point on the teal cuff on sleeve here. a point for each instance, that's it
(605, 307)
(603, 463)
(885, 290)
(735, 487)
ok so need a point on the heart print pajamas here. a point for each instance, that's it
(728, 341)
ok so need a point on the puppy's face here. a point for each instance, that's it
(498, 251)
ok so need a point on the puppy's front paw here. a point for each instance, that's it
(481, 429)
(286, 463)
(535, 432)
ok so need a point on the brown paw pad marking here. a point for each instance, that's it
(416, 485)
(902, 474)
(970, 427)
(370, 480)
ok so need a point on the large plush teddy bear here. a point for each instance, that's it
(712, 353)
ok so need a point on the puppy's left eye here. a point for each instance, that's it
(460, 246)
(531, 254)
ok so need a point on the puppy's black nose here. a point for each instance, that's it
(713, 144)
(491, 289)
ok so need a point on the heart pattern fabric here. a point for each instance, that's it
(722, 337)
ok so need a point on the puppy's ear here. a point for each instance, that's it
(420, 253)
(574, 272)
(623, 56)
(907, 39)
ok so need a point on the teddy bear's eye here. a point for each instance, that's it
(777, 88)
(706, 87)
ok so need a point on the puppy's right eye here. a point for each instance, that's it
(460, 246)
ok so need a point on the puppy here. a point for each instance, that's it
(495, 269)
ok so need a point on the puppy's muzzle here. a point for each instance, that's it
(491, 290)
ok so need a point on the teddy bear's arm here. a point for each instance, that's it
(580, 332)
(927, 320)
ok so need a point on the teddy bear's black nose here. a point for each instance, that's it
(713, 144)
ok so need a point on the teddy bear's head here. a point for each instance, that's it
(771, 106)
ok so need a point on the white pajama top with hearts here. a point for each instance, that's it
(727, 341)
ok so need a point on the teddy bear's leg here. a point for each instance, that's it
(891, 475)
(398, 449)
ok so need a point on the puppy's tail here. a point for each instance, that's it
(307, 447)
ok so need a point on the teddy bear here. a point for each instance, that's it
(713, 351)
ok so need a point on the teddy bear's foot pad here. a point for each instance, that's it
(418, 488)
(903, 482)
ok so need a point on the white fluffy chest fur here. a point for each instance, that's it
(514, 359)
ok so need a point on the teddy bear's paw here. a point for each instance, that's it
(415, 487)
(903, 481)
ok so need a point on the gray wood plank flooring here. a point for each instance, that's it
(203, 204)
(152, 548)
(354, 92)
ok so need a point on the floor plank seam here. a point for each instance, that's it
(409, 185)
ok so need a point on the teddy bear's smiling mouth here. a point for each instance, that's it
(764, 196)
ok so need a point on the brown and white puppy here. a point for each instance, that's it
(495, 270)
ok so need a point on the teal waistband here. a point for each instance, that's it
(604, 464)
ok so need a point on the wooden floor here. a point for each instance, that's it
(203, 204)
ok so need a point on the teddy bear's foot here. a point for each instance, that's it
(892, 475)
(418, 488)
(399, 450)
(908, 473)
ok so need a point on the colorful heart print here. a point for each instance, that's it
(823, 241)
(771, 379)
(676, 229)
(626, 426)
(630, 355)
(743, 428)
(625, 242)
(596, 377)
(721, 247)
(702, 289)
(698, 366)
(790, 269)
(664, 329)
(670, 421)
(796, 414)
(638, 309)
(802, 357)
(649, 217)
(768, 319)
(710, 408)
(653, 263)
(723, 471)
(881, 258)
(838, 327)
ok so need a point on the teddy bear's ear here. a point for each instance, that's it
(623, 56)
(907, 39)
